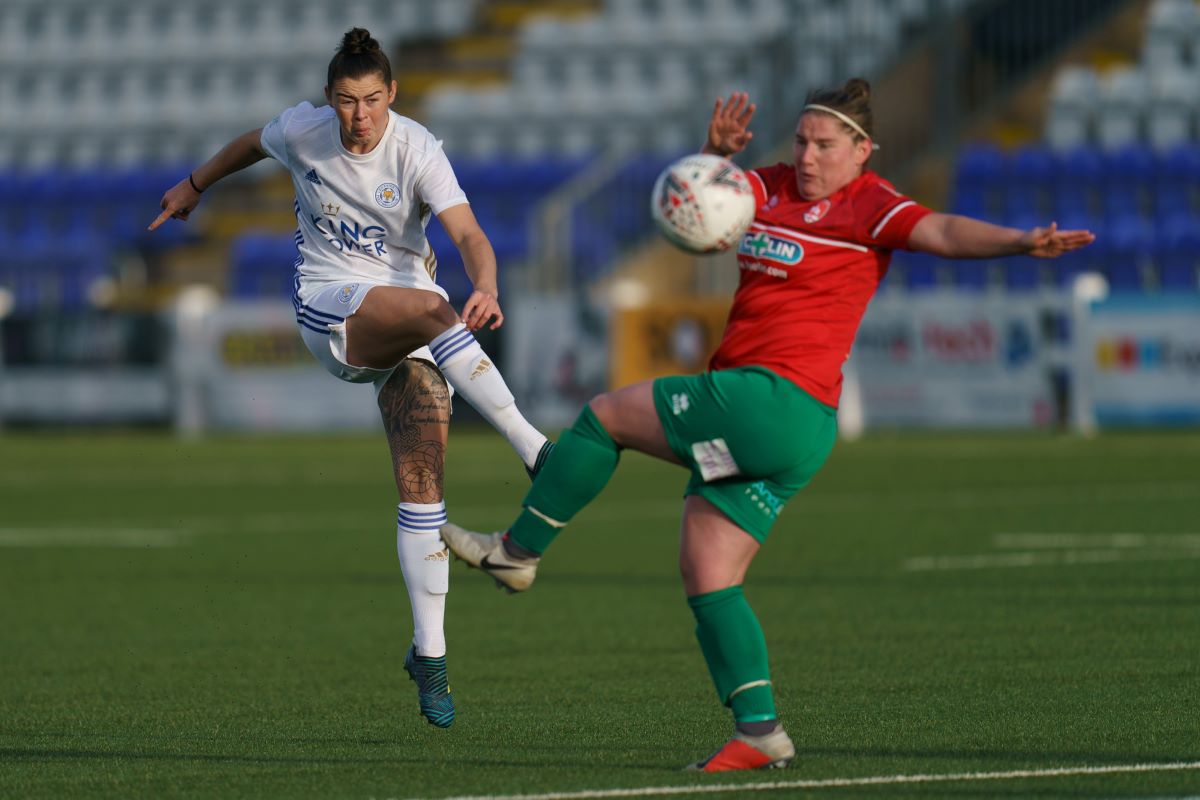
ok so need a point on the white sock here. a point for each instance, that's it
(425, 562)
(473, 375)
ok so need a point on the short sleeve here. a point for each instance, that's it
(436, 183)
(886, 217)
(767, 180)
(273, 139)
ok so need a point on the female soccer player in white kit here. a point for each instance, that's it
(367, 181)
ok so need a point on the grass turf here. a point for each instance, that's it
(227, 618)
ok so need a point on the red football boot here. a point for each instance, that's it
(772, 751)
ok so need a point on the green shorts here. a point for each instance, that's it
(751, 438)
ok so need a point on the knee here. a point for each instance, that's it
(426, 377)
(416, 376)
(438, 310)
(423, 316)
(604, 408)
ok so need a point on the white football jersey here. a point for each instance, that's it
(363, 216)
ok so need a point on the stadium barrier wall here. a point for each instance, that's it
(945, 359)
(1140, 358)
(242, 366)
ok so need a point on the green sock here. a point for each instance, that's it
(736, 651)
(583, 460)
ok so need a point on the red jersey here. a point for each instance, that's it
(808, 270)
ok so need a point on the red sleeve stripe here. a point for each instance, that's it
(887, 218)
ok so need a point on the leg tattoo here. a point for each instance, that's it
(415, 405)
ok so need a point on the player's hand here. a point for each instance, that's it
(728, 130)
(482, 307)
(1050, 242)
(179, 201)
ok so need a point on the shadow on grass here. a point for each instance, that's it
(13, 755)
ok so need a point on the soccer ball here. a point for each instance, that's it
(703, 203)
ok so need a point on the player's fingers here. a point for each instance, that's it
(160, 219)
(746, 114)
(499, 319)
(468, 309)
(1076, 242)
(729, 110)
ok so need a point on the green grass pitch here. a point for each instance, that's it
(226, 618)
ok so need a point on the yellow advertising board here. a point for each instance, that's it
(665, 337)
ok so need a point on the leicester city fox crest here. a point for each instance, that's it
(387, 195)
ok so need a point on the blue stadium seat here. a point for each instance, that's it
(262, 265)
(972, 274)
(1178, 253)
(47, 269)
(918, 271)
(1178, 181)
(1077, 188)
(978, 182)
(505, 195)
(1022, 273)
(593, 250)
(1128, 252)
(1029, 181)
(1130, 174)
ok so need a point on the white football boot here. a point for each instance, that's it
(485, 551)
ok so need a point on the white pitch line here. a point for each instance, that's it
(1069, 541)
(89, 537)
(831, 783)
(1067, 558)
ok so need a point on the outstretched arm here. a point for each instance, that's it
(728, 130)
(479, 259)
(182, 198)
(954, 236)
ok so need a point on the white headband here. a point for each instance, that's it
(843, 118)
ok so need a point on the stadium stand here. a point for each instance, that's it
(1120, 156)
(151, 85)
(641, 71)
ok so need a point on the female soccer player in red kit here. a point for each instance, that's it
(757, 426)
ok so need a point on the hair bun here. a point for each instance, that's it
(358, 41)
(857, 89)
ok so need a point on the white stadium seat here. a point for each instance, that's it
(1174, 102)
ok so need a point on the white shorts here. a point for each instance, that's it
(322, 323)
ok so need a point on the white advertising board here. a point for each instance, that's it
(1141, 358)
(243, 366)
(954, 360)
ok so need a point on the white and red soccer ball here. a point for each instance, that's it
(703, 203)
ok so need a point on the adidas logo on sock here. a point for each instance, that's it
(311, 175)
(440, 555)
(483, 366)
